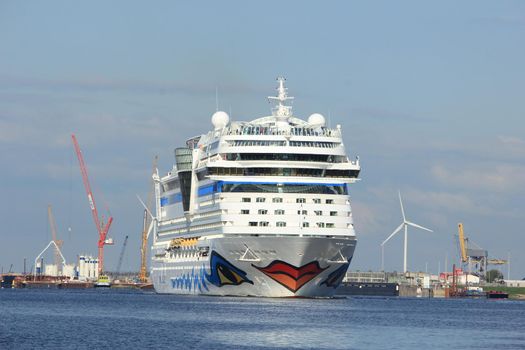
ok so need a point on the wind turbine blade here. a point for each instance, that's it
(402, 209)
(393, 233)
(418, 226)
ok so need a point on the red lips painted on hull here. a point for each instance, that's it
(289, 276)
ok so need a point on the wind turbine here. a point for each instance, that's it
(404, 224)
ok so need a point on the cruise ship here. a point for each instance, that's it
(256, 208)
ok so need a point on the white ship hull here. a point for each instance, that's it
(258, 266)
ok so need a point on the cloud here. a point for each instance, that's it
(94, 84)
(512, 145)
(423, 203)
(366, 218)
(12, 131)
(446, 202)
(487, 177)
(496, 149)
(511, 140)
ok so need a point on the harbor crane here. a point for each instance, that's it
(58, 243)
(121, 255)
(145, 225)
(99, 222)
(474, 256)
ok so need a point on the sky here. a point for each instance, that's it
(429, 95)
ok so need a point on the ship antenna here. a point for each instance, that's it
(281, 112)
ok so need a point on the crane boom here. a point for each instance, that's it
(496, 262)
(58, 243)
(87, 186)
(121, 255)
(462, 246)
(101, 228)
(146, 222)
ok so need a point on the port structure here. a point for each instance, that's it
(119, 265)
(145, 225)
(58, 243)
(474, 258)
(99, 222)
(57, 249)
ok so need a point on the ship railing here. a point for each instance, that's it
(276, 131)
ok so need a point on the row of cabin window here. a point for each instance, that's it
(265, 130)
(259, 143)
(283, 224)
(280, 200)
(283, 143)
(285, 157)
(313, 144)
(281, 212)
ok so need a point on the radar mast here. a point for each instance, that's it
(281, 112)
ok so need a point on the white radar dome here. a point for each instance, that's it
(220, 119)
(316, 119)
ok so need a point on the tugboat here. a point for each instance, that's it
(497, 294)
(102, 282)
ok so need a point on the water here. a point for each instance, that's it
(115, 319)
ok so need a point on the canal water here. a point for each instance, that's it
(127, 319)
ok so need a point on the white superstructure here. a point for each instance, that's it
(256, 208)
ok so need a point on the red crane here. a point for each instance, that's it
(101, 228)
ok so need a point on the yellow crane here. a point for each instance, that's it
(146, 222)
(475, 255)
(58, 243)
(462, 243)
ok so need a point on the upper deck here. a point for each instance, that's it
(280, 145)
(281, 160)
(271, 141)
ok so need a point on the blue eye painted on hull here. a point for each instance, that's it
(336, 277)
(224, 273)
